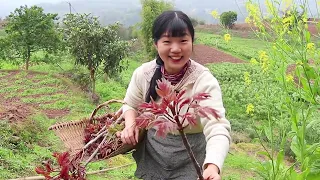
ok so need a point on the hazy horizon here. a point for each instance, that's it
(128, 11)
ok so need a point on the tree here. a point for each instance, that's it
(227, 19)
(150, 10)
(194, 21)
(30, 30)
(93, 45)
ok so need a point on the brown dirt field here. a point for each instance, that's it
(14, 110)
(205, 54)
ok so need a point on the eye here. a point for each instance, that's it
(166, 41)
(184, 40)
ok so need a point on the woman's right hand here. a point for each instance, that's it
(129, 135)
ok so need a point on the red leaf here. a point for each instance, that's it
(180, 94)
(172, 97)
(163, 126)
(64, 173)
(194, 105)
(185, 102)
(191, 118)
(164, 88)
(201, 96)
(62, 158)
(144, 106)
(40, 170)
(144, 119)
(203, 113)
(164, 103)
(212, 112)
(48, 167)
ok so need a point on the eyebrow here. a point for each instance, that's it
(166, 35)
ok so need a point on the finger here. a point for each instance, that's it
(126, 140)
(137, 134)
(118, 134)
(123, 137)
(132, 137)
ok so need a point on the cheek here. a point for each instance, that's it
(188, 49)
(162, 50)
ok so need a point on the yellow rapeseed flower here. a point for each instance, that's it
(247, 79)
(289, 78)
(250, 109)
(247, 20)
(264, 60)
(263, 55)
(253, 61)
(310, 46)
(227, 37)
(215, 14)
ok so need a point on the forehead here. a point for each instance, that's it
(180, 34)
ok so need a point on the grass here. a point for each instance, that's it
(242, 48)
(2, 33)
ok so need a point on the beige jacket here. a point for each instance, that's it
(196, 79)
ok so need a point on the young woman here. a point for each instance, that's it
(167, 158)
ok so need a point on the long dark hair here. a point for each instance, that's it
(176, 24)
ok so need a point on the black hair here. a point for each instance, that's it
(176, 24)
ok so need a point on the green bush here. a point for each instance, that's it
(227, 19)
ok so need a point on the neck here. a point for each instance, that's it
(175, 77)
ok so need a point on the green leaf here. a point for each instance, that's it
(280, 158)
(268, 133)
(264, 154)
(312, 148)
(308, 36)
(295, 146)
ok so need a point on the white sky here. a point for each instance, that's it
(7, 6)
(28, 2)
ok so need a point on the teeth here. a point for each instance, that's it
(175, 58)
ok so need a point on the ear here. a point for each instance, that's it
(155, 45)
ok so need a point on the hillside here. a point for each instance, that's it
(128, 11)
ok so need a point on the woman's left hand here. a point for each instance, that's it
(211, 173)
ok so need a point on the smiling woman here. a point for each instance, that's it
(209, 138)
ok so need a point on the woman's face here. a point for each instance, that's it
(174, 51)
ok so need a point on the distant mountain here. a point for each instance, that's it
(127, 12)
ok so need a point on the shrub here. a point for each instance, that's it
(227, 19)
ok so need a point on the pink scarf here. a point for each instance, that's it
(175, 78)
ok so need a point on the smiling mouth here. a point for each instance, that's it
(176, 58)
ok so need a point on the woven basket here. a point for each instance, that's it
(72, 133)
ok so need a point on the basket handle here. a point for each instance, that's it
(106, 104)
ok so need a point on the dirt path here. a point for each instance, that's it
(204, 54)
(12, 86)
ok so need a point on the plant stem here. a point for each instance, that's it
(189, 150)
(95, 139)
(96, 151)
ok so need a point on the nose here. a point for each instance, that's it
(175, 48)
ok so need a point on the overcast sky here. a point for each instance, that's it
(29, 2)
(7, 6)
